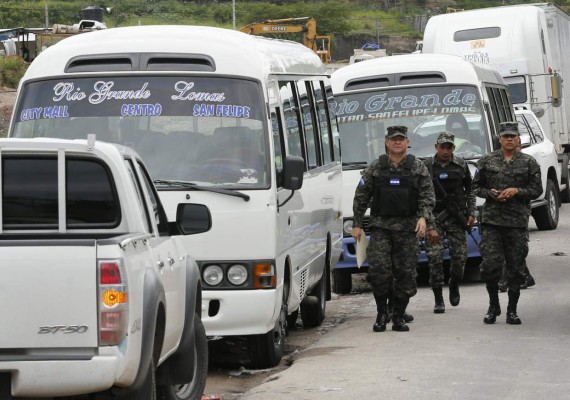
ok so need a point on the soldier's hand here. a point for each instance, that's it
(421, 228)
(507, 194)
(356, 233)
(432, 236)
(470, 221)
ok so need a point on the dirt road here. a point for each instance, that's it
(229, 376)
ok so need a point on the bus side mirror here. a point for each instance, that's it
(193, 218)
(556, 90)
(293, 170)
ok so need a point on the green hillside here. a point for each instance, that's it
(338, 17)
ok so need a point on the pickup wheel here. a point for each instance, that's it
(192, 390)
(546, 216)
(313, 306)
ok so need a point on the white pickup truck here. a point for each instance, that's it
(534, 141)
(98, 296)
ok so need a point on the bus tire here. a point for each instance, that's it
(266, 350)
(313, 306)
(342, 281)
(546, 216)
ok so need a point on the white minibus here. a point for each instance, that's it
(426, 93)
(235, 122)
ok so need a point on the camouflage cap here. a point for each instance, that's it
(508, 128)
(446, 137)
(393, 131)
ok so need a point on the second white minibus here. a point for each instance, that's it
(426, 93)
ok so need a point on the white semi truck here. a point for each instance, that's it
(528, 44)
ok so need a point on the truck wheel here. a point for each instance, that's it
(195, 389)
(546, 216)
(342, 281)
(266, 350)
(314, 305)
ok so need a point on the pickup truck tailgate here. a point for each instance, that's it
(48, 293)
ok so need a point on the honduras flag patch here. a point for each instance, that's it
(443, 175)
(394, 181)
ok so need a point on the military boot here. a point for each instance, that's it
(512, 317)
(382, 316)
(439, 307)
(398, 322)
(494, 307)
(454, 296)
(528, 282)
(390, 308)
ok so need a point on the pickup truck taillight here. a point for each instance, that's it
(113, 303)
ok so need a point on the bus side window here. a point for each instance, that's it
(324, 129)
(292, 116)
(310, 127)
(334, 126)
(278, 144)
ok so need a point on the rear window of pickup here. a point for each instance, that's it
(30, 193)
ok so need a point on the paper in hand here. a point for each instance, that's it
(361, 246)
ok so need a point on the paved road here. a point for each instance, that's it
(452, 355)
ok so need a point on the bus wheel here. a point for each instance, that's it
(267, 350)
(314, 305)
(342, 281)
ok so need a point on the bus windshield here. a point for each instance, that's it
(364, 116)
(208, 131)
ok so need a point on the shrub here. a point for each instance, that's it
(12, 68)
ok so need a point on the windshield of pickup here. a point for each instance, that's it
(206, 130)
(364, 116)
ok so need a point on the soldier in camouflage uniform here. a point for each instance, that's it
(402, 199)
(508, 180)
(453, 196)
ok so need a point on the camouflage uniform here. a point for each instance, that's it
(393, 250)
(450, 227)
(504, 224)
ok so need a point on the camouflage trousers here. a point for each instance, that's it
(503, 246)
(457, 245)
(392, 259)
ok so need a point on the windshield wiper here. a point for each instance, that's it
(194, 186)
(354, 165)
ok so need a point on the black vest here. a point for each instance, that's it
(396, 192)
(451, 179)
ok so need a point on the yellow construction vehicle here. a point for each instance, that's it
(320, 44)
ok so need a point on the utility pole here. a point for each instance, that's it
(233, 14)
(47, 18)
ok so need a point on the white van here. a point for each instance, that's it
(428, 93)
(238, 123)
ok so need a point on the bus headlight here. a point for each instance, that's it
(213, 275)
(237, 274)
(347, 227)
